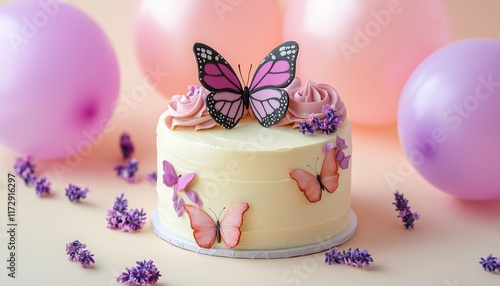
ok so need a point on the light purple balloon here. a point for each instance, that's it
(449, 119)
(59, 79)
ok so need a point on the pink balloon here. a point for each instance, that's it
(165, 31)
(367, 49)
(449, 117)
(59, 79)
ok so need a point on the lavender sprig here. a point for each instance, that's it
(75, 193)
(126, 145)
(401, 202)
(85, 258)
(121, 203)
(25, 169)
(128, 170)
(407, 216)
(354, 257)
(328, 123)
(114, 219)
(334, 256)
(133, 220)
(490, 263)
(152, 177)
(73, 248)
(77, 252)
(119, 217)
(42, 187)
(144, 273)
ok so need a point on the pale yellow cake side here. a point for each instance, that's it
(252, 164)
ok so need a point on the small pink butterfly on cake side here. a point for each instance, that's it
(313, 185)
(206, 231)
(179, 183)
(328, 179)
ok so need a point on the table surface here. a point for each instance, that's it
(443, 249)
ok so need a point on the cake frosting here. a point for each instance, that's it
(187, 111)
(253, 165)
(309, 99)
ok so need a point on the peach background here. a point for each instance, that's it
(443, 249)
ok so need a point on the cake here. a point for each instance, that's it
(248, 190)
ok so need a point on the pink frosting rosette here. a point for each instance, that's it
(310, 99)
(188, 111)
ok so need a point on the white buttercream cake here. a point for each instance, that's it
(296, 196)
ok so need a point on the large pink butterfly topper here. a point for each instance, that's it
(265, 95)
(206, 231)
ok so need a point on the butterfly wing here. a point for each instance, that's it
(225, 102)
(178, 203)
(269, 105)
(329, 172)
(183, 181)
(169, 175)
(215, 73)
(231, 223)
(342, 159)
(268, 100)
(226, 108)
(204, 227)
(277, 69)
(308, 184)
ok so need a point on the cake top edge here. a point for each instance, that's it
(309, 105)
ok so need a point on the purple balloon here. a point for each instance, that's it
(449, 119)
(59, 79)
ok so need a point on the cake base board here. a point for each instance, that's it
(338, 239)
